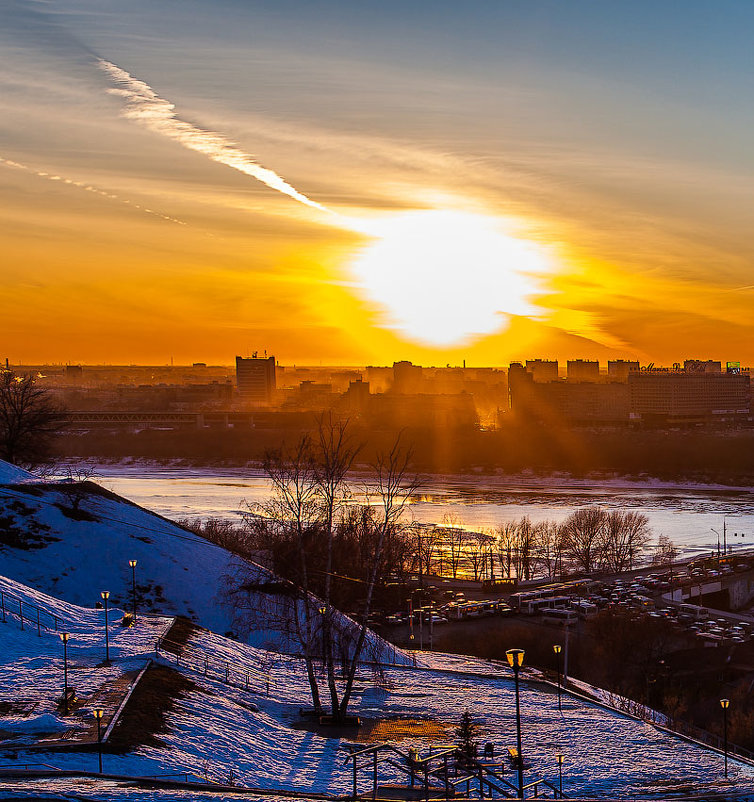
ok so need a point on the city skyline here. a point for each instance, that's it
(356, 185)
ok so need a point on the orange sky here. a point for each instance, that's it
(199, 188)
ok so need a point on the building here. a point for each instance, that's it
(678, 396)
(702, 366)
(255, 378)
(583, 370)
(407, 378)
(618, 369)
(543, 370)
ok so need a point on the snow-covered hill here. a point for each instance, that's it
(75, 540)
(254, 736)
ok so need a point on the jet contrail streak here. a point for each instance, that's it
(148, 109)
(87, 188)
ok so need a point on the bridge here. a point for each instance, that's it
(161, 420)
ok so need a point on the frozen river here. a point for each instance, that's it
(686, 514)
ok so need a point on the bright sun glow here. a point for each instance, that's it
(444, 277)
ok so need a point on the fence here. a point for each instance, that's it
(39, 617)
(209, 665)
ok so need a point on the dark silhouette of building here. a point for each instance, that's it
(255, 378)
(618, 369)
(583, 370)
(543, 370)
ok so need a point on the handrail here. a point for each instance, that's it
(24, 766)
(204, 663)
(6, 610)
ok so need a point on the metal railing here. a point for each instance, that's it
(444, 768)
(29, 615)
(205, 663)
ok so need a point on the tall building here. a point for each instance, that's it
(583, 370)
(618, 369)
(543, 370)
(255, 378)
(407, 378)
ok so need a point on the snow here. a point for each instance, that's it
(219, 730)
(78, 545)
(11, 474)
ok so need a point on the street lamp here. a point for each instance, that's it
(105, 596)
(560, 759)
(515, 661)
(132, 563)
(98, 713)
(557, 648)
(64, 636)
(725, 703)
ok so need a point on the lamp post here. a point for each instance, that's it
(560, 759)
(105, 596)
(725, 703)
(132, 563)
(97, 713)
(64, 636)
(557, 648)
(515, 661)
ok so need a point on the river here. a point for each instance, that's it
(686, 514)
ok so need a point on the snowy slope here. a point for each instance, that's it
(75, 548)
(221, 730)
(77, 540)
(10, 474)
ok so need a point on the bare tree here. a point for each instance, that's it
(625, 536)
(394, 489)
(454, 537)
(506, 542)
(548, 547)
(583, 530)
(525, 538)
(29, 420)
(666, 552)
(478, 545)
(328, 554)
(426, 539)
(334, 459)
(75, 484)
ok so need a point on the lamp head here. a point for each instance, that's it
(64, 636)
(98, 713)
(515, 657)
(132, 563)
(560, 759)
(557, 648)
(105, 594)
(725, 703)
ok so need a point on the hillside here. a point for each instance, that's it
(224, 730)
(75, 540)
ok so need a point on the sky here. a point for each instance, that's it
(358, 183)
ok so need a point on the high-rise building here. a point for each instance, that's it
(543, 370)
(618, 369)
(583, 370)
(255, 378)
(407, 378)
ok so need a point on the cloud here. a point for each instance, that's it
(145, 107)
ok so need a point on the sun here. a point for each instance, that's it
(445, 277)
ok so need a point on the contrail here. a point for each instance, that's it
(144, 106)
(88, 188)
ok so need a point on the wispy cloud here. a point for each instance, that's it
(145, 107)
(87, 188)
